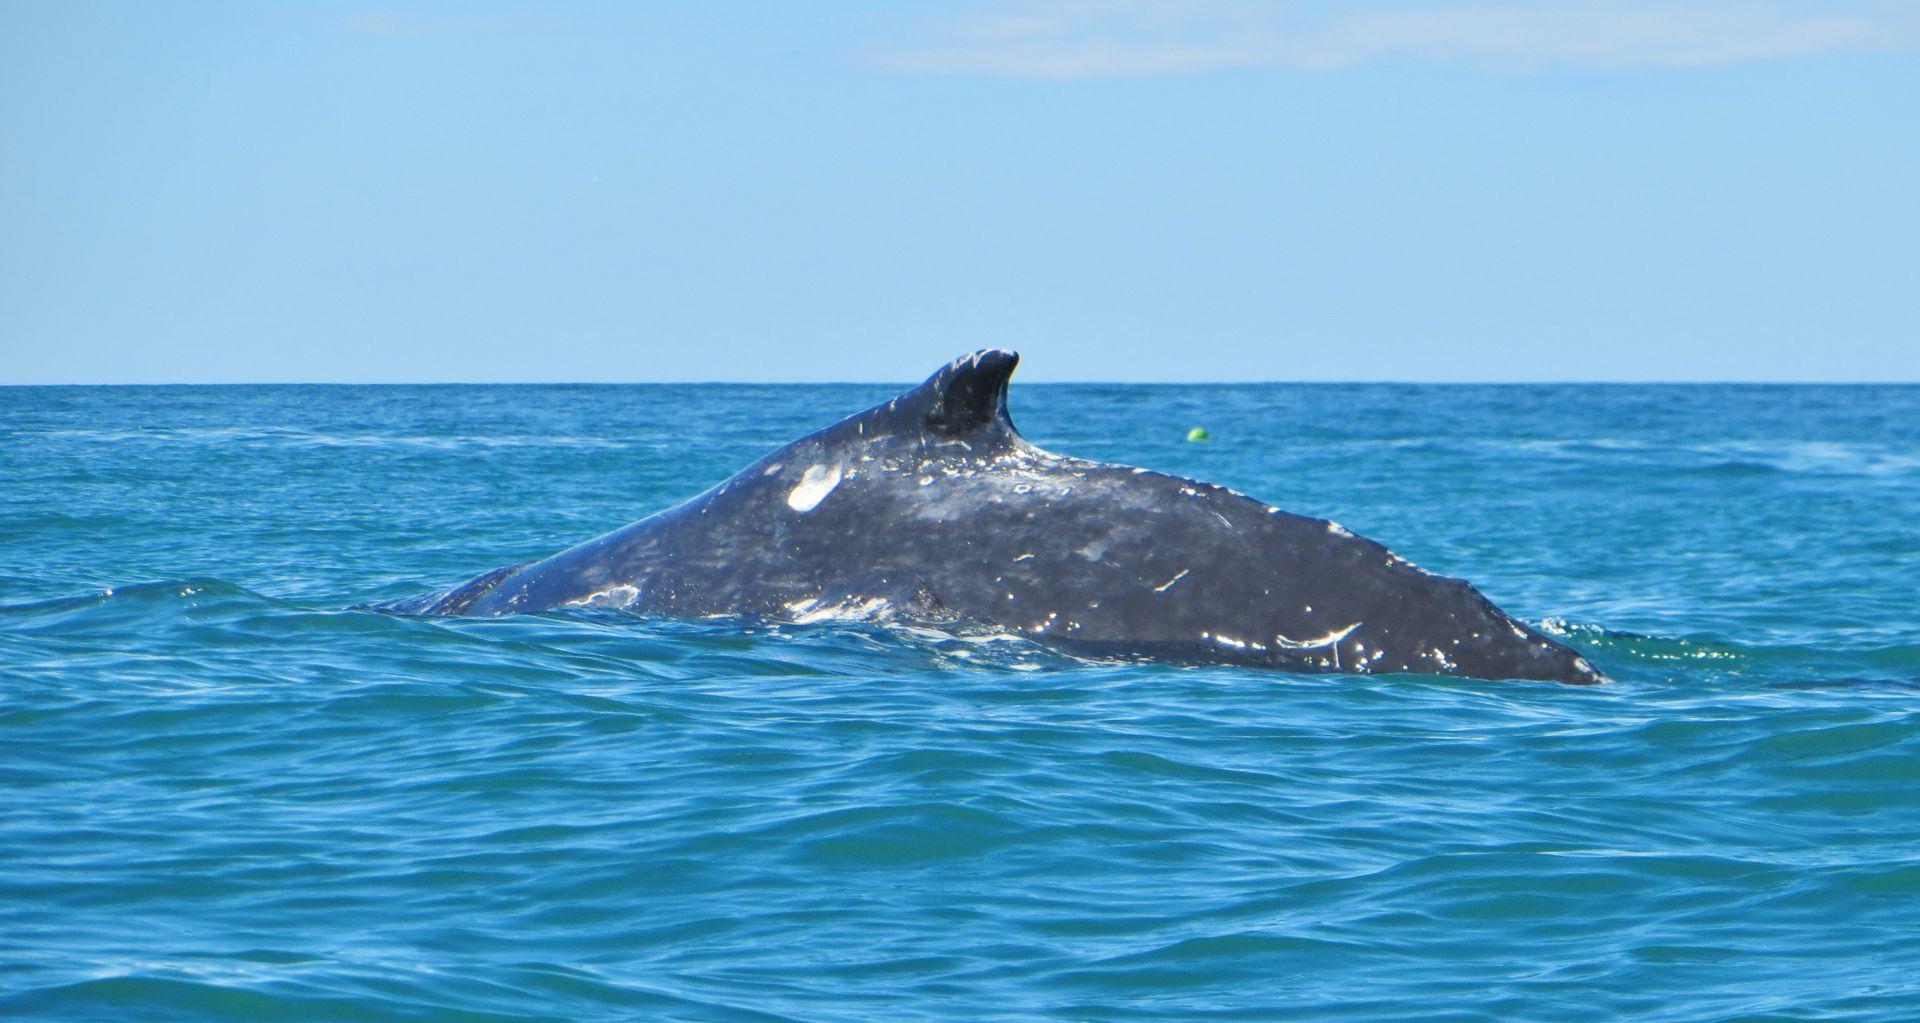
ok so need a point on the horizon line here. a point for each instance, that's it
(1731, 382)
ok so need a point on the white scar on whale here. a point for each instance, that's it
(620, 596)
(814, 486)
(812, 609)
(1329, 639)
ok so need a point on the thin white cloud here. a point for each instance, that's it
(1113, 38)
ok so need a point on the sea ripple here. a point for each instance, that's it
(230, 796)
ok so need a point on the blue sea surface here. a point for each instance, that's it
(224, 795)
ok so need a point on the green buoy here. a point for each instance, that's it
(1197, 433)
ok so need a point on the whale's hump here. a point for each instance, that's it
(963, 524)
(966, 396)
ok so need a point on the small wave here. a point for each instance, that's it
(1649, 648)
(287, 437)
(132, 600)
(1732, 457)
(1806, 666)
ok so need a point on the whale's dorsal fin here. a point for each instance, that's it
(967, 395)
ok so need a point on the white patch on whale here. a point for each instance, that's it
(619, 596)
(810, 610)
(814, 486)
(1331, 639)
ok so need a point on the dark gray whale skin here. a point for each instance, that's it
(933, 508)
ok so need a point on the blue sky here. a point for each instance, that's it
(1203, 190)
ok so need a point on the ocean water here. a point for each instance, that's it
(226, 796)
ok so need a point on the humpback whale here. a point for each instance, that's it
(933, 508)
